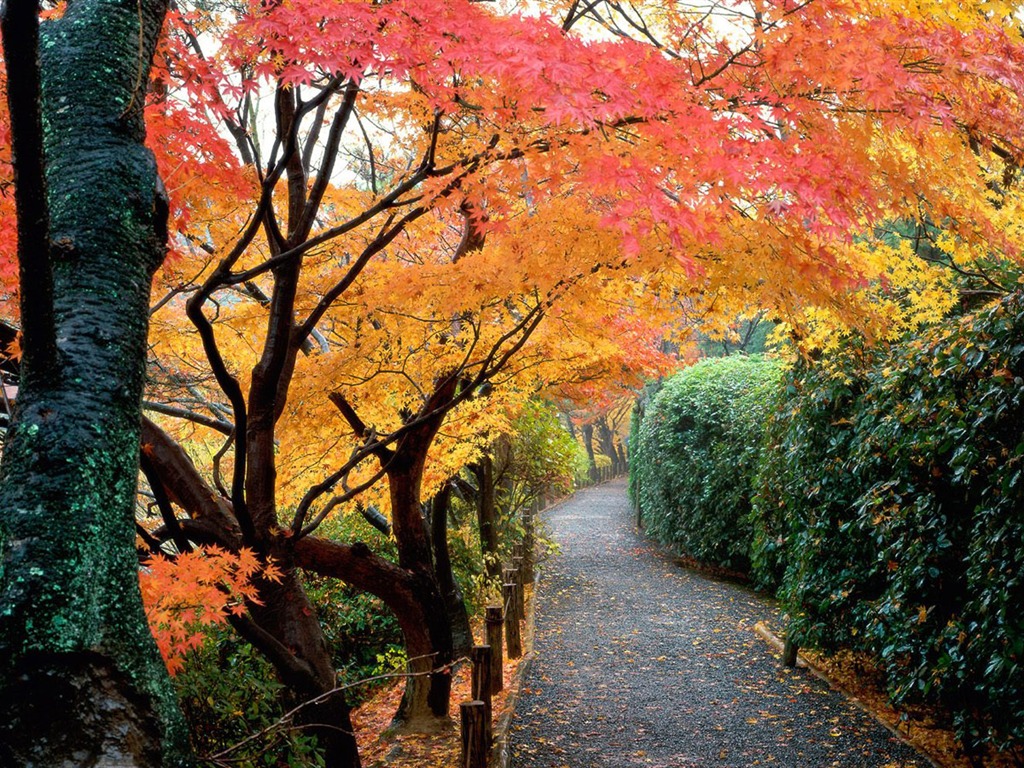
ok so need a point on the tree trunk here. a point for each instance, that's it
(80, 678)
(606, 439)
(462, 635)
(487, 517)
(588, 443)
(288, 616)
(424, 620)
(424, 706)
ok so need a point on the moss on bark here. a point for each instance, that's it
(73, 636)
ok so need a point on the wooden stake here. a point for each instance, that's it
(494, 621)
(474, 740)
(481, 691)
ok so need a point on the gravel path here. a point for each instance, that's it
(640, 662)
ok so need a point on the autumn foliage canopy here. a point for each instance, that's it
(396, 222)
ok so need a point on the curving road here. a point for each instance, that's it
(639, 662)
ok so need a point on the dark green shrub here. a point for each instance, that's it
(806, 488)
(696, 455)
(229, 692)
(893, 501)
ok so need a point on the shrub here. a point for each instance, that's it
(228, 692)
(696, 455)
(893, 501)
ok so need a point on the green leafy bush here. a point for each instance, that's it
(359, 628)
(891, 506)
(229, 692)
(541, 455)
(695, 456)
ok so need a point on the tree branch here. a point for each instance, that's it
(224, 427)
(185, 486)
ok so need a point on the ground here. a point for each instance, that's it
(640, 660)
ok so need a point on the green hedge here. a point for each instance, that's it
(890, 510)
(695, 455)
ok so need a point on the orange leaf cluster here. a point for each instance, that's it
(195, 590)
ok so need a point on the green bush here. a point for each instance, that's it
(228, 692)
(358, 627)
(695, 456)
(541, 455)
(891, 505)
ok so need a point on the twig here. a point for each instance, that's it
(287, 716)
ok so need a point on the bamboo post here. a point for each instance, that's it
(474, 740)
(513, 640)
(480, 655)
(494, 621)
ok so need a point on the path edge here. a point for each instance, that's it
(501, 757)
(761, 630)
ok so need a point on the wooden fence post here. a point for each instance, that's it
(513, 640)
(481, 686)
(517, 576)
(529, 543)
(474, 740)
(494, 621)
(789, 652)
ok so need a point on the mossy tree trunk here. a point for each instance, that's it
(80, 678)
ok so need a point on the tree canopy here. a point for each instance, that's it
(392, 224)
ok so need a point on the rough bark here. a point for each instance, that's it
(80, 676)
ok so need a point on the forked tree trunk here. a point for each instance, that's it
(80, 678)
(284, 626)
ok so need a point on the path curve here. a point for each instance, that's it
(639, 662)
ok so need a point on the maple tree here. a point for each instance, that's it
(744, 147)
